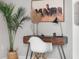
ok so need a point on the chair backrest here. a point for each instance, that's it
(36, 41)
(37, 44)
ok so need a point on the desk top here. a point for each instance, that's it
(55, 40)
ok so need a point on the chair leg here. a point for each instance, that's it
(44, 56)
(37, 55)
(34, 55)
(27, 51)
(31, 55)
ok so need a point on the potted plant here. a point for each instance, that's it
(14, 21)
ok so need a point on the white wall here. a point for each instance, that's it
(75, 34)
(44, 28)
(4, 43)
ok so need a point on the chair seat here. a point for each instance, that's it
(48, 48)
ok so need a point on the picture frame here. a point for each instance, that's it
(47, 11)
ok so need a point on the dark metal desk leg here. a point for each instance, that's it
(27, 51)
(63, 52)
(60, 52)
(31, 55)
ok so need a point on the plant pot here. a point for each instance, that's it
(12, 55)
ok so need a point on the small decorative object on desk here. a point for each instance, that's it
(54, 34)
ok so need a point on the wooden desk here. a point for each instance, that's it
(57, 40)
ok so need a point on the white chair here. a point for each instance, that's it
(37, 45)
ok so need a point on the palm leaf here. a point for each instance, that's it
(13, 20)
(24, 18)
